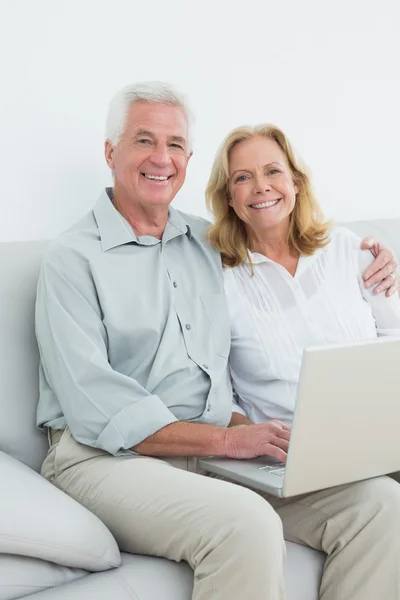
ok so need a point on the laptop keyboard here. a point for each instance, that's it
(276, 469)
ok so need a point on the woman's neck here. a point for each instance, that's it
(272, 242)
(274, 245)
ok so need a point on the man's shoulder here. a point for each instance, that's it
(75, 242)
(198, 225)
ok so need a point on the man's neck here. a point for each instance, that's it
(143, 220)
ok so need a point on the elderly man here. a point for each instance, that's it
(134, 339)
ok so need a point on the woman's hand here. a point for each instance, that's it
(263, 439)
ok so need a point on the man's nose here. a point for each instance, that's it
(160, 155)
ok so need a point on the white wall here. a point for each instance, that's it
(326, 72)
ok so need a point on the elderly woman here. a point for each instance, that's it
(292, 280)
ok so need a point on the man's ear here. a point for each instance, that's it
(109, 153)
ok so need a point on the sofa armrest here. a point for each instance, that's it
(39, 520)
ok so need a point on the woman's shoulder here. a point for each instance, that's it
(343, 238)
(345, 248)
(229, 274)
(236, 276)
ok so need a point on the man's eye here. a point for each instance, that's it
(177, 146)
(144, 141)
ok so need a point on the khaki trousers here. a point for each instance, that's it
(232, 536)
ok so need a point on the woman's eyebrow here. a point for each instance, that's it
(249, 170)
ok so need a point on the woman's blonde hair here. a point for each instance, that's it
(308, 231)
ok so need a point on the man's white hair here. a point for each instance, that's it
(156, 92)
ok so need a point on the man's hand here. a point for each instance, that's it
(382, 270)
(263, 439)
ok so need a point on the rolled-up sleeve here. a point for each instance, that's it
(103, 408)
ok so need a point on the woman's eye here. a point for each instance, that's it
(273, 171)
(241, 178)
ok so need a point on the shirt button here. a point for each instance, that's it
(188, 326)
(205, 366)
(175, 284)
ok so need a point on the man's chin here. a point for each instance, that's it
(158, 200)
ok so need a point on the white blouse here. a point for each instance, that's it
(275, 316)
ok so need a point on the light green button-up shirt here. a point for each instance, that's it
(133, 332)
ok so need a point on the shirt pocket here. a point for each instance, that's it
(216, 310)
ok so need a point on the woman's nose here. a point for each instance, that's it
(262, 185)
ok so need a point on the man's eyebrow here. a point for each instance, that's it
(144, 132)
(172, 138)
(177, 138)
(249, 170)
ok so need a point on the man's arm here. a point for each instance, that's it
(194, 439)
(103, 407)
(382, 270)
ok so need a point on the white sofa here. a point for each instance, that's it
(50, 546)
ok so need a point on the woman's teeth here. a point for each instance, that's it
(265, 204)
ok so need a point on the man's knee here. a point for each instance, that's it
(248, 518)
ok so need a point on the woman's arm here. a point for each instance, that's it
(239, 416)
(239, 419)
(386, 311)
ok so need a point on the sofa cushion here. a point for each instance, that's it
(19, 357)
(149, 578)
(139, 578)
(21, 576)
(41, 521)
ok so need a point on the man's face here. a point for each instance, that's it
(151, 157)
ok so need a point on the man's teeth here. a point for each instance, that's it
(265, 204)
(156, 177)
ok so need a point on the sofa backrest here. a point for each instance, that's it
(19, 268)
(386, 231)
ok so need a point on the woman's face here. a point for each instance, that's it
(261, 189)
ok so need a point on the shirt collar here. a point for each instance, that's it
(257, 258)
(116, 231)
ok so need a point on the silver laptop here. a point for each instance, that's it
(346, 424)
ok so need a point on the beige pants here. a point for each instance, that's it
(231, 536)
